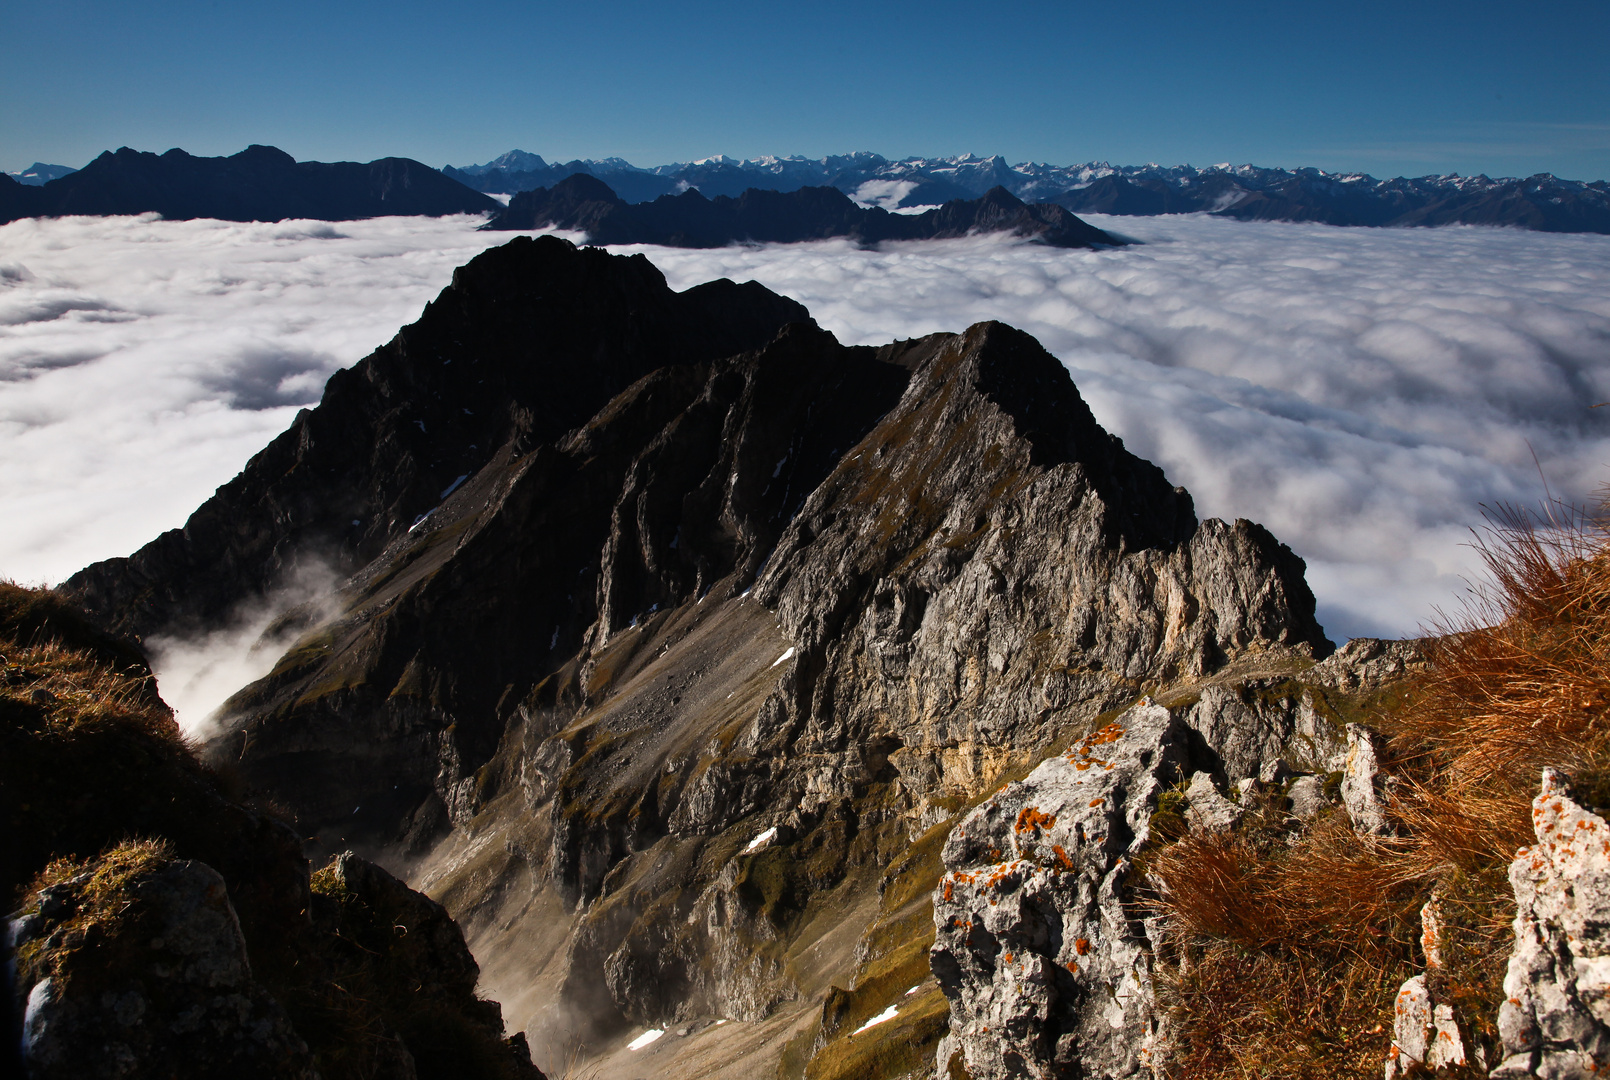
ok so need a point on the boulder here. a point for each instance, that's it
(147, 978)
(1047, 968)
(1555, 1019)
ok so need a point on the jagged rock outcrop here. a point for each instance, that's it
(261, 183)
(202, 948)
(1044, 937)
(1555, 1019)
(1046, 965)
(146, 974)
(662, 683)
(585, 203)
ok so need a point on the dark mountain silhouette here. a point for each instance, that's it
(18, 200)
(1246, 192)
(585, 203)
(260, 183)
(1543, 202)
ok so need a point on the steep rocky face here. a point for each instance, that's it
(529, 341)
(676, 700)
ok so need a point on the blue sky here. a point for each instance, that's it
(1389, 88)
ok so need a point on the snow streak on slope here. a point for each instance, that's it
(1358, 391)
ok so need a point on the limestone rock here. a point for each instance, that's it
(156, 985)
(1206, 809)
(1424, 1032)
(1307, 795)
(1047, 971)
(1555, 1019)
(1360, 780)
(1367, 664)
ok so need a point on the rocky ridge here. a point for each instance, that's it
(584, 203)
(677, 676)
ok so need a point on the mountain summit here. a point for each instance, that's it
(674, 638)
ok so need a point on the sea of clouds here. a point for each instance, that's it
(1362, 392)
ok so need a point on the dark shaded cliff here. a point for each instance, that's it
(669, 665)
(162, 929)
(529, 341)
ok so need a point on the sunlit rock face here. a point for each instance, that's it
(1555, 1019)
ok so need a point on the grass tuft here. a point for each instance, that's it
(1286, 948)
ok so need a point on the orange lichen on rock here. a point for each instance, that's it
(1031, 818)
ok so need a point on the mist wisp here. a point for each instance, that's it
(197, 673)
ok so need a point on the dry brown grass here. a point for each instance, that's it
(1288, 949)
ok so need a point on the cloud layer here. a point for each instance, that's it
(1360, 392)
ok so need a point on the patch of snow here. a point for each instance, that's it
(913, 990)
(451, 487)
(887, 1014)
(762, 840)
(644, 1039)
(779, 467)
(421, 425)
(723, 1020)
(783, 657)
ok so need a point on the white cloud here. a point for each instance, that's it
(143, 361)
(197, 674)
(1358, 391)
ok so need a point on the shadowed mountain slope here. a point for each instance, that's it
(529, 341)
(163, 929)
(670, 675)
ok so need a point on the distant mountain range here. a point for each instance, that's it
(1245, 192)
(39, 174)
(260, 183)
(265, 184)
(584, 202)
